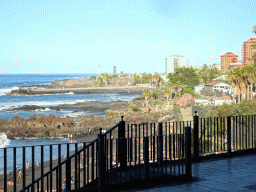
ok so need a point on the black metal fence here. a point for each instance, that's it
(126, 153)
(122, 154)
(228, 134)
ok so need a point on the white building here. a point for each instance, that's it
(223, 87)
(199, 88)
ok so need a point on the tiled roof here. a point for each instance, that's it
(226, 97)
(213, 83)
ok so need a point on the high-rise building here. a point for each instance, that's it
(114, 70)
(166, 66)
(176, 63)
(248, 52)
(226, 59)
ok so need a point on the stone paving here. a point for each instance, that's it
(223, 174)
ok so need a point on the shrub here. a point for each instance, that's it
(133, 107)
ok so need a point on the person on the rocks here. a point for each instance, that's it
(19, 175)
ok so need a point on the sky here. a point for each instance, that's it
(92, 36)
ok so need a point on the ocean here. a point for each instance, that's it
(9, 82)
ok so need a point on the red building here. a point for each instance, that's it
(248, 52)
(226, 59)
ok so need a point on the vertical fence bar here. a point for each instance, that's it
(146, 156)
(196, 141)
(76, 165)
(139, 149)
(101, 161)
(88, 165)
(243, 132)
(236, 133)
(229, 135)
(51, 168)
(15, 170)
(214, 135)
(122, 145)
(188, 152)
(24, 167)
(5, 170)
(160, 144)
(84, 172)
(253, 131)
(68, 171)
(33, 169)
(204, 134)
(59, 166)
(224, 134)
(246, 128)
(92, 162)
(174, 166)
(42, 168)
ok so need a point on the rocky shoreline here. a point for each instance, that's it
(51, 126)
(87, 90)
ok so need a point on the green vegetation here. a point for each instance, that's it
(93, 77)
(157, 101)
(108, 112)
(243, 77)
(187, 89)
(147, 95)
(184, 76)
(246, 107)
(179, 112)
(208, 74)
(134, 108)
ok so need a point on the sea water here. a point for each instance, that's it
(9, 82)
(28, 143)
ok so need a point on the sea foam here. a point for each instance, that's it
(4, 141)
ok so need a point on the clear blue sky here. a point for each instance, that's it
(75, 36)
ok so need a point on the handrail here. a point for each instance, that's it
(70, 157)
(111, 129)
(63, 162)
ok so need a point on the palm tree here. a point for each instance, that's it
(179, 85)
(161, 81)
(250, 70)
(167, 94)
(232, 79)
(147, 95)
(238, 76)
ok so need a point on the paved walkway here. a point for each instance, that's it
(224, 174)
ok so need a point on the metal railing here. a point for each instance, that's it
(126, 152)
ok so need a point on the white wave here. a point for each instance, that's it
(7, 90)
(4, 141)
(81, 101)
(31, 138)
(46, 109)
(70, 93)
(75, 114)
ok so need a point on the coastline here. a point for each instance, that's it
(87, 90)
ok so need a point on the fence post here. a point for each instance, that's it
(122, 145)
(101, 161)
(68, 171)
(196, 132)
(229, 135)
(160, 144)
(146, 156)
(188, 151)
